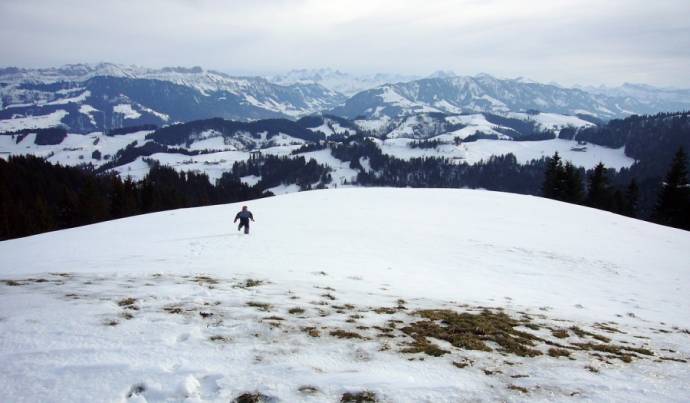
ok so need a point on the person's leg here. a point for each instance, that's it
(246, 227)
(239, 227)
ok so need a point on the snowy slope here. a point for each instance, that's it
(196, 328)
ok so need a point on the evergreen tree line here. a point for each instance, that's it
(503, 173)
(37, 196)
(666, 201)
(651, 140)
(276, 171)
(661, 199)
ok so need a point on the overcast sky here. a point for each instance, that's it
(566, 41)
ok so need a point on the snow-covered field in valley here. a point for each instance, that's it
(402, 295)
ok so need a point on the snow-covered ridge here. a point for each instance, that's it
(315, 302)
(245, 97)
(344, 83)
(451, 93)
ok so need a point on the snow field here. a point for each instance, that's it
(178, 305)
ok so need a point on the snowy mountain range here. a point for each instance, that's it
(107, 96)
(657, 99)
(484, 93)
(344, 83)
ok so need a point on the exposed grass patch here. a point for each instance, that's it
(518, 388)
(205, 280)
(250, 283)
(464, 363)
(583, 333)
(558, 352)
(255, 397)
(128, 303)
(607, 328)
(492, 371)
(422, 345)
(344, 334)
(111, 322)
(311, 331)
(672, 359)
(560, 333)
(273, 318)
(262, 306)
(386, 310)
(358, 397)
(173, 309)
(472, 331)
(219, 339)
(623, 353)
(328, 296)
(308, 389)
(12, 283)
(296, 311)
(591, 369)
(205, 315)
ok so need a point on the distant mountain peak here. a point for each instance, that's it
(443, 74)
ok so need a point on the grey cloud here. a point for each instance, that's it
(568, 41)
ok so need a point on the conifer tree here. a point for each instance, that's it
(552, 177)
(598, 190)
(673, 206)
(571, 184)
(632, 197)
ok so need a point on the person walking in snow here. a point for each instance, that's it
(244, 216)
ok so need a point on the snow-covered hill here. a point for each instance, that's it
(212, 146)
(338, 292)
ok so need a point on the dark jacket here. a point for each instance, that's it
(244, 215)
